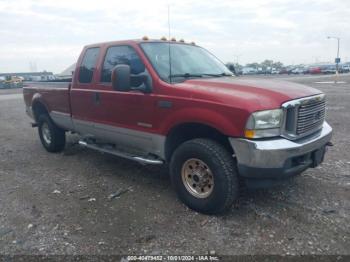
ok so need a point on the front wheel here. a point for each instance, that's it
(205, 176)
(51, 136)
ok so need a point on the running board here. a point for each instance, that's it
(139, 159)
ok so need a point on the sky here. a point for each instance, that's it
(49, 35)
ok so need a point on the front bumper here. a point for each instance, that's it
(278, 158)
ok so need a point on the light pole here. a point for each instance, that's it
(337, 60)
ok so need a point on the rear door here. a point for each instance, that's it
(84, 98)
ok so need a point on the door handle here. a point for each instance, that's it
(96, 98)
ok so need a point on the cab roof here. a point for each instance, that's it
(137, 41)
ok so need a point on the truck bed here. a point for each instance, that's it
(54, 95)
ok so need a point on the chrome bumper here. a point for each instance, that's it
(274, 153)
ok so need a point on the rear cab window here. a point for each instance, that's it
(88, 65)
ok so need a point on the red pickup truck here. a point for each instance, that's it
(174, 103)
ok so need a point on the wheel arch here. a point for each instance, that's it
(38, 107)
(183, 132)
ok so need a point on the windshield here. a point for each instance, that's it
(187, 61)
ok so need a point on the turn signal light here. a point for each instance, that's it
(249, 133)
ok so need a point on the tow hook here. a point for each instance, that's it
(34, 124)
(329, 144)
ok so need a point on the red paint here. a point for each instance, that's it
(315, 70)
(224, 103)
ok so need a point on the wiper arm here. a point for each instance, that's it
(186, 75)
(222, 74)
(189, 75)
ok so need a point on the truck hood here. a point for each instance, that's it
(253, 94)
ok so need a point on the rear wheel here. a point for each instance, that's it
(51, 136)
(205, 176)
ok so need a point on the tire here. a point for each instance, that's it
(218, 163)
(51, 136)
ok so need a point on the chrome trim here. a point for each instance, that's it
(272, 153)
(140, 159)
(294, 105)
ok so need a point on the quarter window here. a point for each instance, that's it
(88, 65)
(117, 55)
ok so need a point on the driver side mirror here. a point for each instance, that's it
(121, 78)
(124, 81)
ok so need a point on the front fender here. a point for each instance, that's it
(203, 116)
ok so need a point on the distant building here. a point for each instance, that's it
(67, 73)
(32, 76)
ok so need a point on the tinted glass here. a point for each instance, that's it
(117, 55)
(88, 65)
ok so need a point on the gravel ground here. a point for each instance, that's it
(59, 203)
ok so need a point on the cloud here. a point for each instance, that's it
(52, 33)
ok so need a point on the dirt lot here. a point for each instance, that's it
(59, 203)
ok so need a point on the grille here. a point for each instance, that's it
(303, 116)
(310, 116)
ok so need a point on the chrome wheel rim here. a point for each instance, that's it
(46, 133)
(197, 178)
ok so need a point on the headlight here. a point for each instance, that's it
(264, 124)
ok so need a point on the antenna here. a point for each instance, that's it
(169, 43)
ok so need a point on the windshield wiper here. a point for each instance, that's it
(222, 74)
(186, 75)
(189, 75)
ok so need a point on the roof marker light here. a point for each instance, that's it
(173, 39)
(182, 41)
(163, 38)
(145, 38)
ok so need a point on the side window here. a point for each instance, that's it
(117, 55)
(88, 65)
